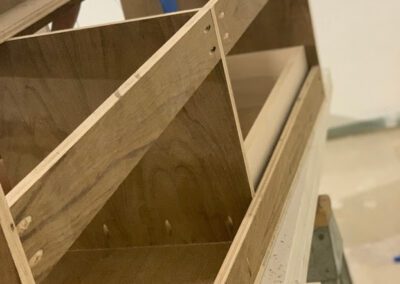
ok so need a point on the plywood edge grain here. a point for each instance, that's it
(14, 266)
(258, 228)
(25, 14)
(73, 30)
(291, 246)
(80, 175)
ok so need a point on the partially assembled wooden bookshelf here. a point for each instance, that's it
(171, 148)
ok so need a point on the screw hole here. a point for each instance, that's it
(321, 237)
(207, 29)
(212, 50)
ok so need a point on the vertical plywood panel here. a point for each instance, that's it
(281, 23)
(190, 187)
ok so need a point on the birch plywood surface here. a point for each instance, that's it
(159, 264)
(255, 235)
(71, 185)
(50, 84)
(17, 15)
(281, 23)
(190, 187)
(8, 4)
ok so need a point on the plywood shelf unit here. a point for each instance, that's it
(163, 149)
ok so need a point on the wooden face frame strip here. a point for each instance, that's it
(257, 230)
(63, 193)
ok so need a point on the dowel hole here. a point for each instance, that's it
(212, 50)
(207, 29)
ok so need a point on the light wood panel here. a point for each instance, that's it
(72, 184)
(193, 177)
(263, 109)
(288, 257)
(8, 4)
(49, 84)
(141, 8)
(20, 16)
(159, 264)
(281, 23)
(234, 16)
(254, 236)
(14, 267)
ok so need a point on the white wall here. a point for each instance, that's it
(359, 41)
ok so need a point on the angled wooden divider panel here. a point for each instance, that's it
(191, 186)
(281, 23)
(49, 84)
(17, 15)
(65, 191)
(254, 237)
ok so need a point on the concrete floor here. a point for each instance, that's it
(362, 176)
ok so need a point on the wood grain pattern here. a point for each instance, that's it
(14, 267)
(194, 177)
(159, 264)
(288, 258)
(20, 16)
(8, 4)
(142, 8)
(70, 186)
(254, 236)
(49, 84)
(267, 109)
(8, 271)
(281, 23)
(234, 16)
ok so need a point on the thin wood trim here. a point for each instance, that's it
(25, 14)
(12, 243)
(254, 236)
(232, 98)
